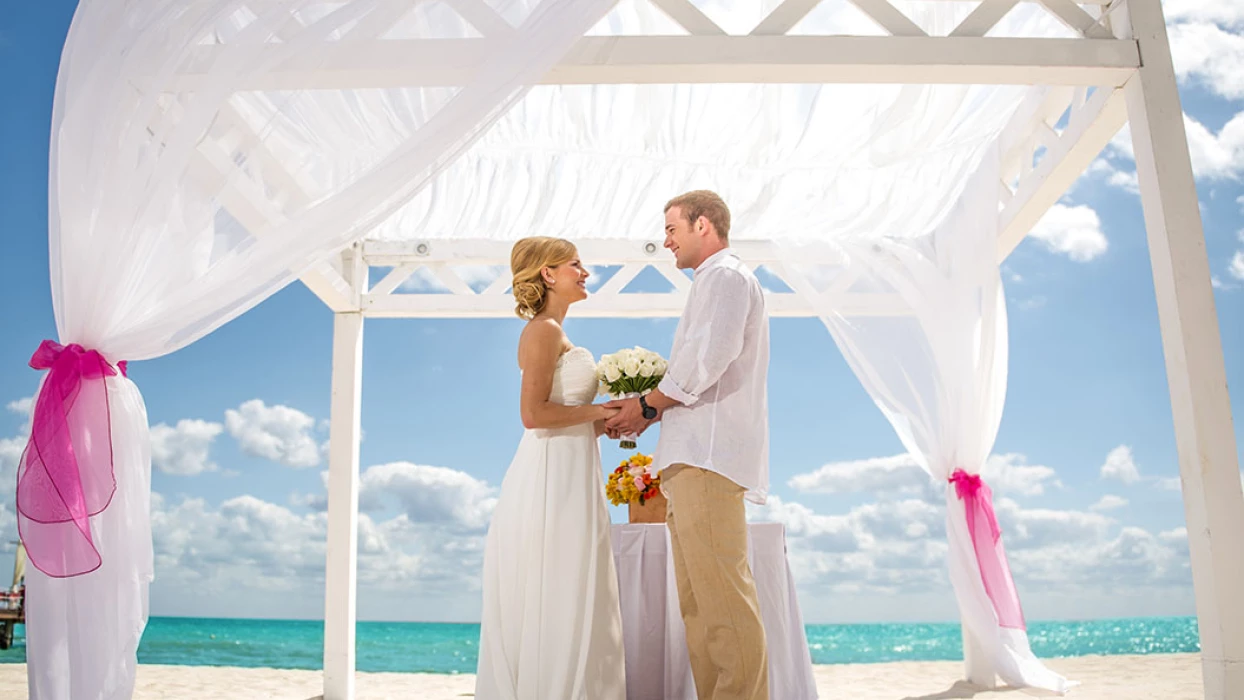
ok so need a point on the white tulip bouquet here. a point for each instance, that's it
(629, 373)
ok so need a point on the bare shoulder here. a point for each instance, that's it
(542, 340)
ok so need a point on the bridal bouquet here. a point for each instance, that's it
(629, 373)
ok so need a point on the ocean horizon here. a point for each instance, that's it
(451, 648)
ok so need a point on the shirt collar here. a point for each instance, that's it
(714, 259)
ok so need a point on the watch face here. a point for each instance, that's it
(649, 412)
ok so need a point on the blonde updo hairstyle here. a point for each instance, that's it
(527, 261)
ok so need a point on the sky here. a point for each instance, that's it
(1084, 469)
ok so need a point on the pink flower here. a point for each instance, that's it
(639, 483)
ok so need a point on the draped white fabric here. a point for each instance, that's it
(793, 161)
(81, 632)
(179, 201)
(939, 376)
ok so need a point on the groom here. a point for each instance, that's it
(714, 448)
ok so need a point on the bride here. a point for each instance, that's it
(551, 626)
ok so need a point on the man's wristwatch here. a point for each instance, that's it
(649, 412)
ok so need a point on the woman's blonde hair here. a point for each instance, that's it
(527, 260)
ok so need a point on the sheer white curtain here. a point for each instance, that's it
(600, 161)
(204, 155)
(938, 374)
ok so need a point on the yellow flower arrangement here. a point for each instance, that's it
(631, 482)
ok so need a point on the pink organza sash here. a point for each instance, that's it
(987, 541)
(66, 474)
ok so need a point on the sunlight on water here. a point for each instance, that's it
(450, 648)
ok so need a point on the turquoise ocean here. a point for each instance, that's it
(451, 648)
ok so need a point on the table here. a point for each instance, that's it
(657, 667)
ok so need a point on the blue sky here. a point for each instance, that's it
(1082, 465)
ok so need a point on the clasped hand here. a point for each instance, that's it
(628, 420)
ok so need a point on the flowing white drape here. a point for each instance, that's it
(833, 161)
(179, 200)
(938, 374)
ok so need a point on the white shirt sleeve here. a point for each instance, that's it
(714, 335)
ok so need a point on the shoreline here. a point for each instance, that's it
(1136, 677)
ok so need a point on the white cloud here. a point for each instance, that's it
(1120, 466)
(1008, 473)
(245, 540)
(23, 407)
(1214, 156)
(257, 558)
(10, 454)
(1236, 268)
(1228, 14)
(279, 433)
(1208, 54)
(1125, 180)
(429, 494)
(184, 449)
(1039, 528)
(897, 549)
(1108, 502)
(1074, 231)
(897, 474)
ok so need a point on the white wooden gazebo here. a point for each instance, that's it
(204, 94)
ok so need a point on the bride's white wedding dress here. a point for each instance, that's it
(552, 627)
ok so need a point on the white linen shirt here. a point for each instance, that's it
(718, 372)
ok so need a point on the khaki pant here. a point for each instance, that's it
(725, 638)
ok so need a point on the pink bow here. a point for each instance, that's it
(66, 475)
(987, 543)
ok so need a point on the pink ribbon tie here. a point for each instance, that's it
(66, 473)
(987, 543)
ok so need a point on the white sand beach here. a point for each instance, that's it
(1154, 677)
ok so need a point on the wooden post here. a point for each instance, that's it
(1200, 405)
(341, 575)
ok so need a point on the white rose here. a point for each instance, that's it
(646, 369)
(631, 366)
(661, 366)
(612, 373)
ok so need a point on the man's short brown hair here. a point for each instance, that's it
(707, 204)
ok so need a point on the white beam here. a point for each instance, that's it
(629, 305)
(984, 17)
(1200, 404)
(689, 17)
(784, 17)
(1046, 104)
(698, 59)
(889, 17)
(341, 560)
(1087, 133)
(603, 251)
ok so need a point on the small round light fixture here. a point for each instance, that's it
(422, 249)
(650, 248)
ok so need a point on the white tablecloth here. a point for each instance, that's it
(657, 667)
